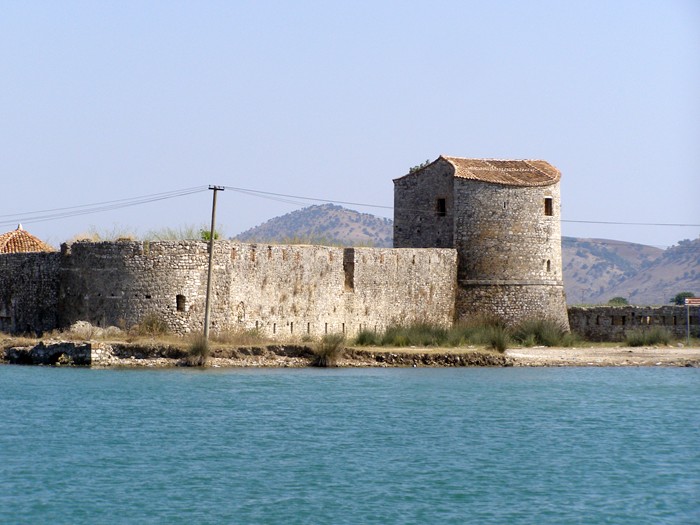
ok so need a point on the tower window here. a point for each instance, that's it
(180, 302)
(441, 207)
(548, 206)
(549, 265)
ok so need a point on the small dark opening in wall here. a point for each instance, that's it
(548, 206)
(441, 207)
(274, 328)
(291, 327)
(549, 265)
(349, 268)
(148, 296)
(326, 328)
(180, 302)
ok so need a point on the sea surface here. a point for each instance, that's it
(301, 446)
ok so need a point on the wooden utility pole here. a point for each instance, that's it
(207, 307)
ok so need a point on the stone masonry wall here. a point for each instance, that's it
(417, 222)
(509, 252)
(282, 290)
(512, 303)
(612, 323)
(118, 283)
(28, 292)
(314, 290)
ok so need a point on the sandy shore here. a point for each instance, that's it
(604, 356)
(295, 357)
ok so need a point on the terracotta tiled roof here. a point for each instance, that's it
(508, 172)
(19, 241)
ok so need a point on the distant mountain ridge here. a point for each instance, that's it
(324, 224)
(595, 270)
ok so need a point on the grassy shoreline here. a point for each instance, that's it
(164, 354)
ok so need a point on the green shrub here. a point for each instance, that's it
(329, 350)
(618, 301)
(199, 351)
(498, 338)
(152, 324)
(653, 336)
(368, 338)
(417, 334)
(543, 332)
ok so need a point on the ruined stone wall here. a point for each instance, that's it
(613, 323)
(118, 283)
(418, 222)
(509, 247)
(314, 290)
(281, 290)
(28, 292)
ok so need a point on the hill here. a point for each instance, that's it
(595, 270)
(324, 224)
(593, 267)
(676, 270)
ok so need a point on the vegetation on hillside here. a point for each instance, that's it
(327, 224)
(679, 298)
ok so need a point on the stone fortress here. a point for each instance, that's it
(472, 237)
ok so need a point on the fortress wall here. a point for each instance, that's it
(282, 290)
(118, 283)
(417, 223)
(512, 302)
(509, 252)
(28, 292)
(502, 232)
(612, 323)
(313, 290)
(400, 286)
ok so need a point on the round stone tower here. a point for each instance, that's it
(503, 218)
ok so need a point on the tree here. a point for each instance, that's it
(618, 301)
(680, 298)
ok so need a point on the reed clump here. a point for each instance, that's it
(199, 351)
(649, 337)
(482, 331)
(328, 350)
(543, 332)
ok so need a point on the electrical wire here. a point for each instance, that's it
(281, 196)
(296, 200)
(86, 209)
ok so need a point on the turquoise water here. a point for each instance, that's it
(508, 445)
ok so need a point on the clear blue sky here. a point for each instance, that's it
(111, 100)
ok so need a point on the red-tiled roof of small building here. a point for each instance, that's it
(21, 241)
(507, 172)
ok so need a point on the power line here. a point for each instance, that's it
(630, 223)
(259, 193)
(86, 209)
(281, 196)
(297, 200)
